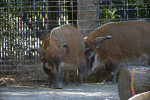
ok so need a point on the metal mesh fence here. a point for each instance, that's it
(122, 10)
(24, 23)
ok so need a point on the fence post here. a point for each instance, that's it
(87, 17)
(53, 14)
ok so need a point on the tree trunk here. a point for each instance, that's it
(53, 14)
(55, 10)
(87, 16)
(72, 12)
(133, 80)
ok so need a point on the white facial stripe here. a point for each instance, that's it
(62, 64)
(95, 63)
(92, 53)
(69, 66)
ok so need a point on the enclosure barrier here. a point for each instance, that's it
(24, 23)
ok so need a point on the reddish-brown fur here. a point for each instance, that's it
(52, 43)
(63, 50)
(129, 39)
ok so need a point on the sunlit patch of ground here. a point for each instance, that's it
(71, 92)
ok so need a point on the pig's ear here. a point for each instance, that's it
(99, 40)
(65, 48)
(85, 38)
(40, 51)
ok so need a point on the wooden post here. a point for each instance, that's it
(87, 16)
(52, 14)
(133, 80)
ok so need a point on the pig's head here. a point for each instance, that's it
(53, 63)
(92, 52)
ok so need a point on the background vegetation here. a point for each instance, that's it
(24, 23)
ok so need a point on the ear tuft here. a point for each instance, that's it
(40, 51)
(85, 37)
(99, 40)
(108, 37)
(65, 48)
(64, 45)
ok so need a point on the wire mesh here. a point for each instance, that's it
(24, 23)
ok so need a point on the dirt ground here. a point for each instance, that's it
(85, 92)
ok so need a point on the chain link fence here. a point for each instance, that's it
(24, 23)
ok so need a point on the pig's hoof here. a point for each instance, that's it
(109, 82)
(78, 84)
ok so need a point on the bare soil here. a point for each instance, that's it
(96, 91)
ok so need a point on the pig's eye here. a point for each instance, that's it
(87, 60)
(51, 63)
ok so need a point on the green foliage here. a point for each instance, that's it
(109, 15)
(128, 10)
(20, 22)
(23, 22)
